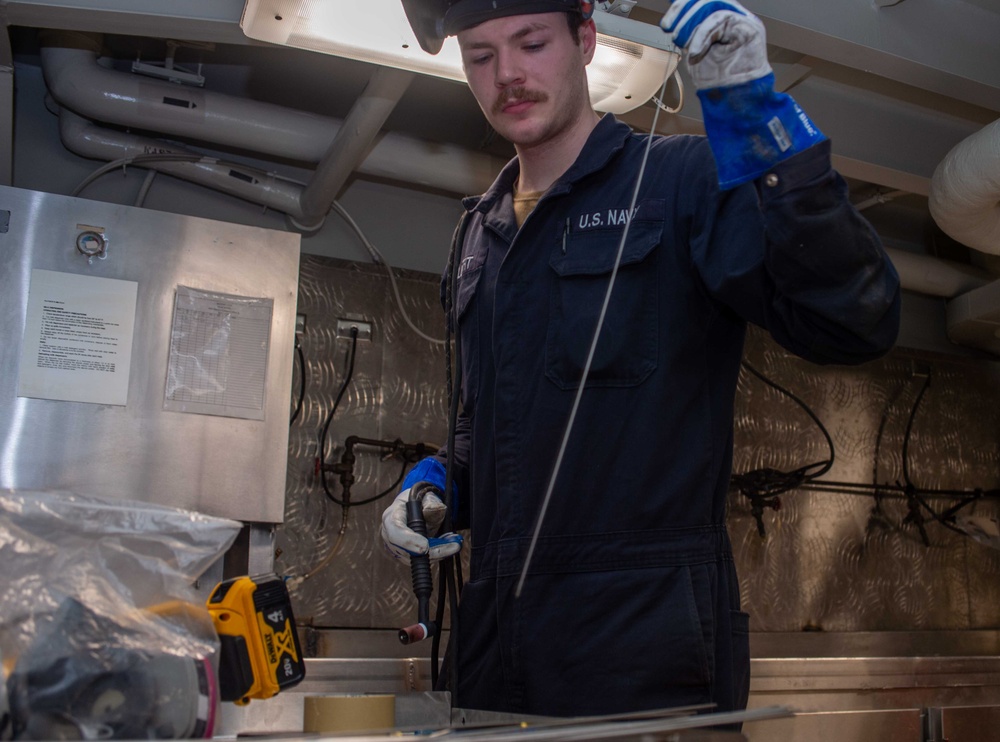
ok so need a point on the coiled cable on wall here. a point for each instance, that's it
(321, 454)
(763, 486)
(333, 411)
(302, 380)
(915, 496)
(878, 494)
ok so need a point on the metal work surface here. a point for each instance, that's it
(844, 699)
(421, 710)
(901, 725)
(870, 684)
(218, 465)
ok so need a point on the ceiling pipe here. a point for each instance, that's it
(78, 82)
(87, 139)
(925, 274)
(965, 191)
(348, 149)
(306, 207)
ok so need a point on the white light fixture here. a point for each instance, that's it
(630, 64)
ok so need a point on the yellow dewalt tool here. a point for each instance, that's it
(260, 653)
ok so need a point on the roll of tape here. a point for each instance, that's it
(348, 712)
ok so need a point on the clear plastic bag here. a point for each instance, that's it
(101, 633)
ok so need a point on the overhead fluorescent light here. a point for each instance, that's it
(630, 64)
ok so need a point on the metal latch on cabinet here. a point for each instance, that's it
(92, 243)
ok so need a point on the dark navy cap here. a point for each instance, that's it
(468, 13)
(433, 20)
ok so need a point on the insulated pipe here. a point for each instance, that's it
(349, 147)
(932, 276)
(89, 140)
(965, 191)
(78, 82)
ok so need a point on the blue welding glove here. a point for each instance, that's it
(750, 127)
(400, 540)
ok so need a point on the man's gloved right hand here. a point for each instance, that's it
(750, 126)
(725, 43)
(400, 540)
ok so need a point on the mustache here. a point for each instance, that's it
(520, 94)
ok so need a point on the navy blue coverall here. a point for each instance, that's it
(632, 601)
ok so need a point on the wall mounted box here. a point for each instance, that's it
(137, 438)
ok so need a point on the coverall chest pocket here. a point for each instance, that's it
(626, 353)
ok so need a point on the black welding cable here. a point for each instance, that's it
(329, 418)
(909, 430)
(453, 361)
(825, 465)
(878, 442)
(911, 489)
(912, 495)
(763, 486)
(907, 491)
(302, 386)
(387, 491)
(439, 622)
(911, 492)
(453, 571)
(448, 589)
(454, 388)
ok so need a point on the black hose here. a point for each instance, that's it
(909, 430)
(762, 487)
(420, 568)
(878, 445)
(329, 418)
(302, 386)
(387, 491)
(455, 389)
(825, 466)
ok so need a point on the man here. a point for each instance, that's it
(631, 600)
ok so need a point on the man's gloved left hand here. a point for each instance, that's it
(750, 126)
(399, 539)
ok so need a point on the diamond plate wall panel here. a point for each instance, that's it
(397, 392)
(829, 561)
(833, 561)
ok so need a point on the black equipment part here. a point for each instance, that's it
(420, 567)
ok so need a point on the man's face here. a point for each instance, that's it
(528, 74)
